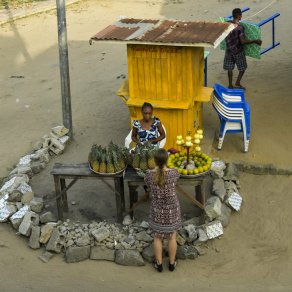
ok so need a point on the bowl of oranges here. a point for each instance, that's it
(196, 164)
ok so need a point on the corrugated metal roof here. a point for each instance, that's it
(165, 32)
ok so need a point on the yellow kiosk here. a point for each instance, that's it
(166, 68)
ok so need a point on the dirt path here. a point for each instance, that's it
(255, 252)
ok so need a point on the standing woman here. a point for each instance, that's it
(149, 128)
(165, 216)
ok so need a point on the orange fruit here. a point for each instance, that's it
(205, 167)
(184, 171)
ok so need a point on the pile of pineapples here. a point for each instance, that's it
(143, 157)
(111, 159)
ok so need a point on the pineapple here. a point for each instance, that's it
(95, 162)
(102, 165)
(136, 159)
(120, 160)
(143, 162)
(90, 158)
(150, 162)
(109, 164)
(128, 159)
(91, 154)
(115, 162)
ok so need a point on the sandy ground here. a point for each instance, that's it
(255, 252)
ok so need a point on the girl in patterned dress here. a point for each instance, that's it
(147, 129)
(165, 216)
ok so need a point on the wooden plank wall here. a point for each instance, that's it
(165, 72)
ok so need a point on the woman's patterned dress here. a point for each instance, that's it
(165, 216)
(147, 135)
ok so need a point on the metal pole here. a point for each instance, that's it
(64, 66)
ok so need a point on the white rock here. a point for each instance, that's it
(64, 139)
(25, 160)
(127, 220)
(6, 210)
(17, 217)
(30, 219)
(8, 185)
(100, 234)
(24, 188)
(60, 131)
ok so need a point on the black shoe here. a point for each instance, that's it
(157, 267)
(171, 267)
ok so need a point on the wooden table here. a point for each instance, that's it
(134, 181)
(61, 172)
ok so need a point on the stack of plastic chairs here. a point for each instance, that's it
(233, 112)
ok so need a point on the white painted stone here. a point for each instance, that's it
(235, 201)
(24, 188)
(8, 185)
(64, 139)
(17, 217)
(214, 229)
(25, 160)
(6, 210)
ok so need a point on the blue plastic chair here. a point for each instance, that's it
(233, 112)
(231, 95)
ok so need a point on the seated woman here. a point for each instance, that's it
(149, 128)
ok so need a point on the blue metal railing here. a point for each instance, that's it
(274, 44)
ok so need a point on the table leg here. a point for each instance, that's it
(64, 195)
(119, 189)
(200, 196)
(122, 192)
(133, 198)
(58, 197)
